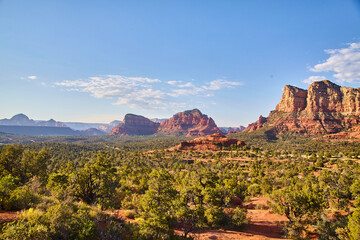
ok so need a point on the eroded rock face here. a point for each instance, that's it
(293, 99)
(189, 123)
(135, 125)
(212, 142)
(324, 108)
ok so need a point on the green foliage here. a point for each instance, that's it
(13, 197)
(156, 219)
(95, 182)
(301, 202)
(354, 225)
(61, 221)
(329, 229)
(238, 217)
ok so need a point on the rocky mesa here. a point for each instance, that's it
(135, 125)
(212, 142)
(323, 108)
(189, 123)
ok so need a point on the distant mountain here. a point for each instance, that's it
(22, 124)
(83, 126)
(189, 123)
(135, 125)
(48, 131)
(92, 132)
(158, 120)
(226, 130)
(107, 127)
(23, 120)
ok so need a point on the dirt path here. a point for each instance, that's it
(264, 225)
(7, 216)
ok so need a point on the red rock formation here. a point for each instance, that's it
(256, 125)
(135, 125)
(212, 142)
(189, 123)
(293, 99)
(324, 108)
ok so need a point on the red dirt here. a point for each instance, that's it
(7, 216)
(264, 225)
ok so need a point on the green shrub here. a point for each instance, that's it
(130, 214)
(238, 217)
(215, 216)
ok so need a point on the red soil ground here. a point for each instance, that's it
(263, 225)
(7, 216)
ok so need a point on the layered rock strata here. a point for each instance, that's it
(324, 108)
(189, 123)
(135, 125)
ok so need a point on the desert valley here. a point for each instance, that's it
(180, 120)
(293, 174)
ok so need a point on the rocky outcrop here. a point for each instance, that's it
(189, 123)
(293, 99)
(324, 108)
(256, 125)
(212, 142)
(135, 125)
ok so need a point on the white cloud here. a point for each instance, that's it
(33, 77)
(312, 79)
(221, 83)
(145, 93)
(190, 89)
(174, 82)
(343, 62)
(131, 91)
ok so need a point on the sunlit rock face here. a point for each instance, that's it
(323, 108)
(135, 125)
(189, 123)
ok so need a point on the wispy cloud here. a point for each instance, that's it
(221, 83)
(343, 62)
(139, 92)
(32, 77)
(205, 90)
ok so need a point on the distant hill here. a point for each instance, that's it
(158, 120)
(23, 125)
(83, 126)
(226, 130)
(48, 131)
(23, 120)
(38, 131)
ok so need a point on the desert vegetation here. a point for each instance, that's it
(138, 189)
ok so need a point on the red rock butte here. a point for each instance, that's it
(189, 123)
(322, 109)
(135, 125)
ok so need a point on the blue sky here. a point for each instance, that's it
(95, 61)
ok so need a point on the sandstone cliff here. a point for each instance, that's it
(135, 125)
(324, 108)
(189, 123)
